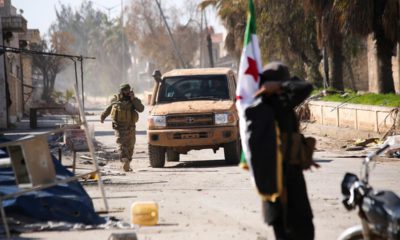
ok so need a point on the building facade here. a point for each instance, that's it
(15, 68)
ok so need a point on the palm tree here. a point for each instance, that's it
(329, 37)
(285, 32)
(381, 18)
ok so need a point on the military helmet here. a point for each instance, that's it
(124, 86)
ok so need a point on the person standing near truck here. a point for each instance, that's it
(124, 110)
(276, 147)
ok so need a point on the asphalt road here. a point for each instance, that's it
(202, 198)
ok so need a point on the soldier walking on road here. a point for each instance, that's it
(124, 110)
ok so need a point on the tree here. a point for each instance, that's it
(146, 29)
(282, 31)
(379, 17)
(288, 33)
(48, 67)
(97, 36)
(329, 37)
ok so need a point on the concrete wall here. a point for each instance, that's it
(359, 117)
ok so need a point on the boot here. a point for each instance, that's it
(125, 165)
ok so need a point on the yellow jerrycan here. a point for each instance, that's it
(144, 213)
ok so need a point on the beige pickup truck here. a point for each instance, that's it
(193, 109)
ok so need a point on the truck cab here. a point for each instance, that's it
(193, 109)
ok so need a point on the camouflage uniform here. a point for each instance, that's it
(123, 110)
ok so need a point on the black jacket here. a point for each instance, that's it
(265, 119)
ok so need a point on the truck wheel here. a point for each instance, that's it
(232, 152)
(156, 156)
(172, 156)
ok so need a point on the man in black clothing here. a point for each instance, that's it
(270, 120)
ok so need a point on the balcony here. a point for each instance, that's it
(14, 24)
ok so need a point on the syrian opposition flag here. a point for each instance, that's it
(249, 76)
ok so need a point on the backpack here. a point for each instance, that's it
(123, 112)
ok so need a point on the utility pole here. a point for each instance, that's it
(183, 65)
(123, 42)
(209, 43)
(3, 89)
(201, 39)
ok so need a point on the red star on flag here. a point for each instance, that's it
(252, 69)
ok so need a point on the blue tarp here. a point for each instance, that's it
(64, 202)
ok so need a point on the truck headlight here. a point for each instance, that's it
(157, 121)
(221, 118)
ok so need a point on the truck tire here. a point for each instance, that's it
(156, 156)
(172, 156)
(232, 152)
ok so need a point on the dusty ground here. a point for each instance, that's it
(202, 198)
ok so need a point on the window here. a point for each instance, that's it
(183, 88)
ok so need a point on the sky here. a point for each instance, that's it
(41, 13)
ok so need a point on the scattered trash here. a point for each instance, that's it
(366, 142)
(123, 236)
(102, 164)
(64, 202)
(361, 144)
(87, 162)
(393, 153)
(355, 148)
(90, 158)
(109, 173)
(86, 157)
(94, 181)
(346, 94)
(76, 139)
(394, 150)
(394, 141)
(93, 176)
(25, 227)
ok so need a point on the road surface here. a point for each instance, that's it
(202, 198)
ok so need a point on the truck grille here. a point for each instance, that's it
(190, 120)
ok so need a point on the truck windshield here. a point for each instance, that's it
(184, 88)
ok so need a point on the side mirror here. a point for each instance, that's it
(347, 182)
